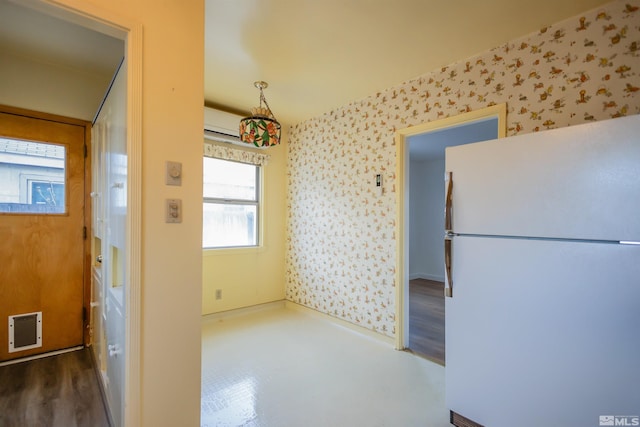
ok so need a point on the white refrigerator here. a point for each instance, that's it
(542, 254)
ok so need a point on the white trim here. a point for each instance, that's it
(402, 198)
(40, 356)
(107, 22)
(228, 314)
(290, 305)
(133, 304)
(368, 333)
(426, 276)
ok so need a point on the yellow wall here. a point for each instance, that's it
(250, 276)
(171, 259)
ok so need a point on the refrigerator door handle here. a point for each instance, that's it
(448, 282)
(448, 203)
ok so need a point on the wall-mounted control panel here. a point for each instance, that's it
(379, 184)
(173, 173)
(174, 211)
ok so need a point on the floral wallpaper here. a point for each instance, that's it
(341, 251)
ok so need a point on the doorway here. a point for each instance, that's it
(420, 302)
(100, 21)
(42, 206)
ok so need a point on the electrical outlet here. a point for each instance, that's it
(218, 293)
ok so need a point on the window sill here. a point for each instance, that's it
(232, 251)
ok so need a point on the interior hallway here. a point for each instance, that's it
(282, 367)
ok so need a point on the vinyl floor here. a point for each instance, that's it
(427, 319)
(55, 391)
(286, 368)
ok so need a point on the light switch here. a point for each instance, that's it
(379, 187)
(173, 173)
(174, 211)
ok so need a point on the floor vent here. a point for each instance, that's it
(460, 421)
(25, 331)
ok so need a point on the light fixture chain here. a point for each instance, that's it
(263, 99)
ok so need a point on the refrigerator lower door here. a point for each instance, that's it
(543, 333)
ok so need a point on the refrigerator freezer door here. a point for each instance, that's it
(543, 333)
(579, 182)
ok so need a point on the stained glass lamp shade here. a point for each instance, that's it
(261, 128)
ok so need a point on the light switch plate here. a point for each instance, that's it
(173, 173)
(379, 187)
(174, 211)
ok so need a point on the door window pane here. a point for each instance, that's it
(32, 176)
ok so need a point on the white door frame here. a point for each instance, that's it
(402, 202)
(94, 17)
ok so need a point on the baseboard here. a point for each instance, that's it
(383, 339)
(40, 356)
(213, 317)
(426, 276)
(227, 314)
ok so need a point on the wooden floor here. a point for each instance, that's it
(426, 319)
(54, 391)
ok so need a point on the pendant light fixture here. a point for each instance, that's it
(261, 128)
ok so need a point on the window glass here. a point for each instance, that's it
(32, 176)
(224, 179)
(228, 225)
(230, 204)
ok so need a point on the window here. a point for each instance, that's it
(230, 203)
(32, 176)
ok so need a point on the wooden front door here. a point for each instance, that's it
(42, 235)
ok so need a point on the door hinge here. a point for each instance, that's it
(84, 233)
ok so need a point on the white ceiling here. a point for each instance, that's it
(315, 55)
(320, 55)
(32, 34)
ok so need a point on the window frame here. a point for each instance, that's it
(242, 202)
